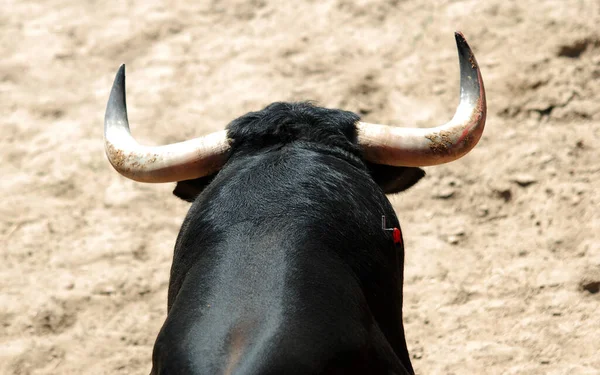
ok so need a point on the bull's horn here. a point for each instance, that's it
(414, 147)
(175, 162)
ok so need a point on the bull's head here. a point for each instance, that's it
(381, 144)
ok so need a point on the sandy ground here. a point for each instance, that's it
(503, 246)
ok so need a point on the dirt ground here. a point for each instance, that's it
(502, 246)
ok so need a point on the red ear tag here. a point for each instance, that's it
(397, 235)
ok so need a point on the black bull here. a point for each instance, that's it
(282, 265)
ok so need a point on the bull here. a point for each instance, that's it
(282, 265)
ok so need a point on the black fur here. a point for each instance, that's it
(281, 265)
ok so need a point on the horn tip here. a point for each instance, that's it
(116, 108)
(461, 41)
(467, 60)
(120, 77)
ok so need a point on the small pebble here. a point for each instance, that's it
(483, 211)
(505, 194)
(453, 240)
(591, 286)
(546, 159)
(445, 193)
(524, 180)
(107, 291)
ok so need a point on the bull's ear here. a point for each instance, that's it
(188, 190)
(395, 179)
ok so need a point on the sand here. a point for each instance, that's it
(502, 246)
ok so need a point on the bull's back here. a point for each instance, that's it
(267, 273)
